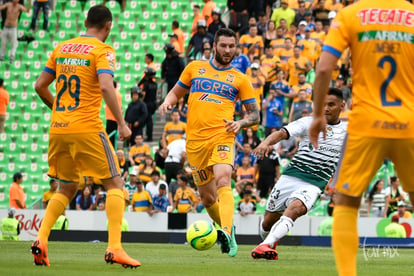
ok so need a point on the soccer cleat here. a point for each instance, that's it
(224, 240)
(233, 243)
(120, 257)
(39, 251)
(264, 251)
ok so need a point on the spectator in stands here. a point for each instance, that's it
(45, 6)
(141, 199)
(309, 22)
(175, 129)
(270, 66)
(300, 107)
(258, 81)
(185, 199)
(146, 169)
(99, 194)
(85, 201)
(246, 172)
(149, 61)
(270, 33)
(240, 60)
(280, 87)
(284, 12)
(319, 34)
(263, 25)
(48, 194)
(136, 113)
(16, 193)
(207, 11)
(394, 194)
(376, 200)
(239, 14)
(171, 67)
(394, 229)
(346, 91)
(274, 112)
(300, 14)
(10, 226)
(9, 31)
(4, 101)
(111, 124)
(175, 26)
(123, 163)
(173, 186)
(296, 65)
(138, 151)
(217, 23)
(247, 152)
(149, 91)
(196, 42)
(160, 154)
(205, 54)
(301, 85)
(250, 136)
(4, 12)
(246, 205)
(182, 103)
(252, 43)
(287, 148)
(174, 42)
(153, 186)
(402, 211)
(130, 185)
(268, 171)
(248, 186)
(197, 17)
(175, 159)
(310, 73)
(160, 202)
(321, 13)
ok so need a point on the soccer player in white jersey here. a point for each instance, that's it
(306, 176)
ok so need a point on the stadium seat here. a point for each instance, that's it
(114, 7)
(89, 4)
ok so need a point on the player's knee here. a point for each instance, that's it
(295, 209)
(267, 225)
(208, 199)
(222, 182)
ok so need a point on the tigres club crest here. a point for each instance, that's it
(201, 71)
(230, 78)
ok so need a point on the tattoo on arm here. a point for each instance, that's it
(253, 116)
(47, 102)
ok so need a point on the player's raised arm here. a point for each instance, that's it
(326, 65)
(172, 98)
(42, 88)
(265, 147)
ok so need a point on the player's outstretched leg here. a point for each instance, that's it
(39, 251)
(233, 243)
(264, 251)
(120, 257)
(228, 244)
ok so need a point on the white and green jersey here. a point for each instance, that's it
(315, 166)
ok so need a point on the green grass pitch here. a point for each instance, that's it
(77, 258)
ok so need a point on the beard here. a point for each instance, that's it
(223, 60)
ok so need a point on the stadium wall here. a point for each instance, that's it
(167, 227)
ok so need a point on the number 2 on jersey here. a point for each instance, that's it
(384, 85)
(68, 86)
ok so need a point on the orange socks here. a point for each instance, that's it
(114, 210)
(345, 239)
(214, 212)
(226, 207)
(55, 208)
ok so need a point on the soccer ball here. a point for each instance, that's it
(201, 235)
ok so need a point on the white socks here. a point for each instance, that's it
(263, 234)
(279, 230)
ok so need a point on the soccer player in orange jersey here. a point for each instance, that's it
(214, 87)
(381, 124)
(83, 68)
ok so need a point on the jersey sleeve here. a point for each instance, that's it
(338, 37)
(105, 60)
(299, 127)
(50, 65)
(186, 76)
(246, 91)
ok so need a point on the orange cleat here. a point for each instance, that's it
(264, 251)
(39, 251)
(121, 257)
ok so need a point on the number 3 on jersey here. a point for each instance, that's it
(384, 85)
(72, 86)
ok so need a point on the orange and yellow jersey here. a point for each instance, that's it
(213, 94)
(307, 87)
(284, 56)
(138, 153)
(292, 36)
(318, 36)
(207, 10)
(141, 201)
(270, 65)
(145, 173)
(277, 44)
(294, 4)
(380, 35)
(258, 89)
(76, 64)
(293, 72)
(310, 49)
(333, 7)
(175, 131)
(247, 40)
(185, 199)
(246, 174)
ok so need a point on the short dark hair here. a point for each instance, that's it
(98, 16)
(17, 176)
(224, 32)
(154, 172)
(184, 178)
(336, 92)
(393, 178)
(175, 24)
(150, 56)
(163, 186)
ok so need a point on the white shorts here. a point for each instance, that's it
(289, 188)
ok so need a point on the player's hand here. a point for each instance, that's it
(318, 125)
(164, 107)
(124, 132)
(262, 150)
(232, 126)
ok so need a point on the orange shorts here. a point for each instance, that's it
(202, 155)
(363, 156)
(87, 154)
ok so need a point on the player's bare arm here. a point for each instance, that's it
(176, 93)
(326, 65)
(42, 88)
(265, 147)
(109, 95)
(252, 118)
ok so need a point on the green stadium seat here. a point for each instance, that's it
(73, 6)
(114, 7)
(89, 4)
